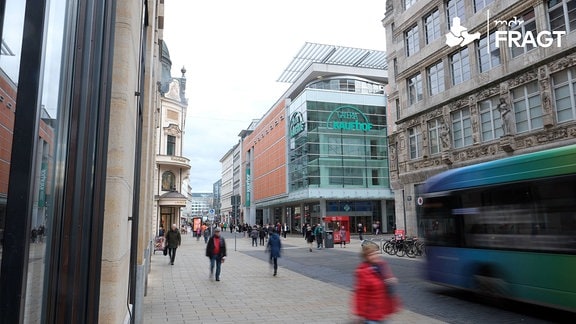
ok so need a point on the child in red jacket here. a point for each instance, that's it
(373, 298)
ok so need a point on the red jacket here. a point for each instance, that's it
(371, 300)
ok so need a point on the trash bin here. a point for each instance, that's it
(329, 239)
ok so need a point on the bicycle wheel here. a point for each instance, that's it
(400, 249)
(389, 248)
(411, 250)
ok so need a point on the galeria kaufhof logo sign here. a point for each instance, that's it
(296, 124)
(459, 36)
(348, 118)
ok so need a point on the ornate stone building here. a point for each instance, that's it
(172, 168)
(474, 80)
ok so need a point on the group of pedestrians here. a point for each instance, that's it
(374, 296)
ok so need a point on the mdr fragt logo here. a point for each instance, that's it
(459, 36)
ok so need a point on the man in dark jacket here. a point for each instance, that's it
(173, 240)
(216, 251)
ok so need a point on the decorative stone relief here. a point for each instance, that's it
(507, 143)
(445, 136)
(551, 136)
(475, 153)
(459, 104)
(474, 118)
(544, 80)
(172, 130)
(508, 126)
(174, 91)
(563, 63)
(522, 78)
(488, 93)
(434, 114)
(447, 158)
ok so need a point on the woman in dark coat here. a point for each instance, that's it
(274, 246)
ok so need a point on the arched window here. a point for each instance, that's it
(168, 181)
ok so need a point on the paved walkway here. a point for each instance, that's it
(247, 292)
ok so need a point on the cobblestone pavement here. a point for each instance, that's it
(246, 293)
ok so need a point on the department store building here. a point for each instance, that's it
(321, 151)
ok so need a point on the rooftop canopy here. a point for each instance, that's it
(332, 54)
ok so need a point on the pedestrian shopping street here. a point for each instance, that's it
(247, 292)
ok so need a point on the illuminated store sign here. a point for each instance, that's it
(296, 124)
(348, 118)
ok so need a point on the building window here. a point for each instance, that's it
(488, 53)
(432, 25)
(347, 147)
(375, 177)
(435, 78)
(346, 176)
(434, 131)
(562, 15)
(460, 66)
(412, 40)
(490, 120)
(564, 83)
(455, 8)
(414, 140)
(461, 128)
(397, 102)
(168, 181)
(527, 107)
(528, 24)
(171, 145)
(409, 3)
(395, 66)
(414, 88)
(481, 4)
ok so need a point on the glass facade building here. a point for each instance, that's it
(340, 143)
(338, 154)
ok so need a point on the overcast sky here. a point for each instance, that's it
(234, 51)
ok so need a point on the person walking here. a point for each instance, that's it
(173, 240)
(342, 236)
(262, 235)
(319, 235)
(206, 234)
(216, 251)
(360, 231)
(374, 298)
(309, 237)
(274, 246)
(254, 235)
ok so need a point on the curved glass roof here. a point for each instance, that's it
(332, 54)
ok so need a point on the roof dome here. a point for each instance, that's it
(165, 53)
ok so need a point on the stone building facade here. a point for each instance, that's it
(100, 166)
(504, 85)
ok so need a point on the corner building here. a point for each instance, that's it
(321, 151)
(483, 99)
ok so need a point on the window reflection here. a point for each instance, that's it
(43, 183)
(12, 39)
